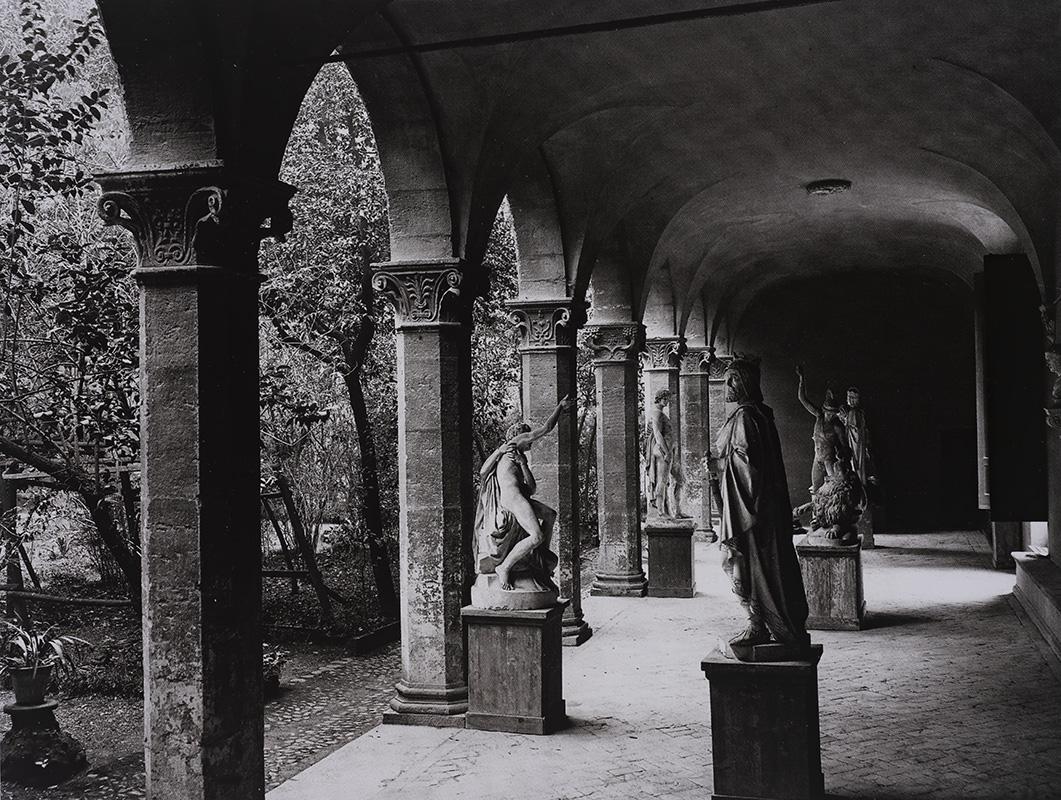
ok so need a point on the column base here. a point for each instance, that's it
(706, 535)
(515, 670)
(575, 630)
(631, 585)
(832, 576)
(765, 737)
(430, 705)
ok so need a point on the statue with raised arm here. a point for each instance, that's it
(512, 529)
(837, 491)
(663, 476)
(756, 532)
(829, 437)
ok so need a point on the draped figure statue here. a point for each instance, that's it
(756, 535)
(512, 529)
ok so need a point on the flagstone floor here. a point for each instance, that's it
(949, 693)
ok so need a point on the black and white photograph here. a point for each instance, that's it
(530, 399)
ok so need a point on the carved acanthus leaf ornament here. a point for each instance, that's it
(613, 343)
(664, 353)
(421, 294)
(195, 216)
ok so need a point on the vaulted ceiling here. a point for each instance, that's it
(677, 148)
(687, 146)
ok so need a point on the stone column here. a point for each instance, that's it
(696, 433)
(434, 486)
(614, 350)
(717, 412)
(197, 232)
(549, 359)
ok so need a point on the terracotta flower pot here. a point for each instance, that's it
(30, 685)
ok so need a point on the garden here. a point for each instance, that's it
(70, 631)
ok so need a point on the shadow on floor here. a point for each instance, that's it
(954, 558)
(891, 619)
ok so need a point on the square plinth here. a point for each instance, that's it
(832, 577)
(765, 739)
(515, 670)
(671, 570)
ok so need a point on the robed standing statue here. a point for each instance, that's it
(756, 531)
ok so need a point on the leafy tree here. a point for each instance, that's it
(319, 295)
(68, 321)
(320, 302)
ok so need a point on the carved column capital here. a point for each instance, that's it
(546, 324)
(613, 344)
(422, 293)
(716, 366)
(198, 216)
(664, 352)
(695, 360)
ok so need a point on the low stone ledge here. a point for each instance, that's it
(1038, 590)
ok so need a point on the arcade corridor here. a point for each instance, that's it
(949, 693)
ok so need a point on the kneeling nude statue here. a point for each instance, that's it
(512, 529)
(757, 550)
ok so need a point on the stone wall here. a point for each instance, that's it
(907, 343)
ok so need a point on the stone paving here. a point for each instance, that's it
(325, 708)
(326, 701)
(949, 693)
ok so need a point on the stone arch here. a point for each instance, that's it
(543, 267)
(424, 222)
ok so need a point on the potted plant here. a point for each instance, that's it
(30, 657)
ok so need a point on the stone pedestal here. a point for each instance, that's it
(671, 571)
(765, 739)
(614, 350)
(549, 367)
(832, 577)
(515, 670)
(35, 752)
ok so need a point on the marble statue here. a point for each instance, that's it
(756, 531)
(663, 476)
(837, 507)
(512, 529)
(854, 419)
(829, 437)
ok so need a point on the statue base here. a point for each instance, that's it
(765, 740)
(765, 653)
(527, 594)
(515, 669)
(832, 577)
(671, 571)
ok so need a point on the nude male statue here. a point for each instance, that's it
(663, 484)
(830, 436)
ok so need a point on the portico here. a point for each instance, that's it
(720, 178)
